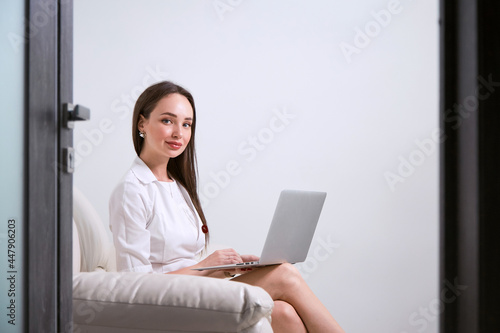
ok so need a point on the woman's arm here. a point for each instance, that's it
(129, 211)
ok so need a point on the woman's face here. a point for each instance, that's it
(168, 128)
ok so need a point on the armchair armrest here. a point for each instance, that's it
(142, 302)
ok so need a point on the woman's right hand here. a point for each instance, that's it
(221, 257)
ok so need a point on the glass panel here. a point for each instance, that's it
(339, 96)
(12, 72)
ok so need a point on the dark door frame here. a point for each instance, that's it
(48, 187)
(65, 178)
(470, 183)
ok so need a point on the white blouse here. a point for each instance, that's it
(155, 226)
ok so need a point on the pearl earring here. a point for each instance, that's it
(141, 134)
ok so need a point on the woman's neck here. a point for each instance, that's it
(158, 166)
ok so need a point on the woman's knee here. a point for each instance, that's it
(290, 276)
(290, 268)
(284, 311)
(285, 318)
(280, 281)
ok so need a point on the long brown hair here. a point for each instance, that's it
(182, 168)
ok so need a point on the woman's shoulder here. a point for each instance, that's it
(127, 181)
(129, 199)
(129, 186)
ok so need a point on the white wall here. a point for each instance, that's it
(354, 119)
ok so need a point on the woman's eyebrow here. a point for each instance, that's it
(174, 115)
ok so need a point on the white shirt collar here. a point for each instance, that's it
(142, 171)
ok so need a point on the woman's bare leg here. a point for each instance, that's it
(284, 282)
(285, 319)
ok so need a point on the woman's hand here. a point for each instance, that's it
(227, 257)
(221, 257)
(249, 257)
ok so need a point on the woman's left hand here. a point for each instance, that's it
(248, 257)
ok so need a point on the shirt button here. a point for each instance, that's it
(204, 228)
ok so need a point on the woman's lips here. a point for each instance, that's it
(174, 145)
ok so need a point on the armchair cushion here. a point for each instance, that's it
(147, 302)
(94, 245)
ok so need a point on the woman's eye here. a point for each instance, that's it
(186, 125)
(166, 121)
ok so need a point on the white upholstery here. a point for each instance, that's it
(142, 302)
(107, 301)
(97, 251)
(76, 250)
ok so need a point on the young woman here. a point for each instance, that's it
(158, 223)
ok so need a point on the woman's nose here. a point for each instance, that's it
(177, 133)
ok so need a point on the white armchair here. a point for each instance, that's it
(108, 301)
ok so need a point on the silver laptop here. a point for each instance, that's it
(291, 232)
